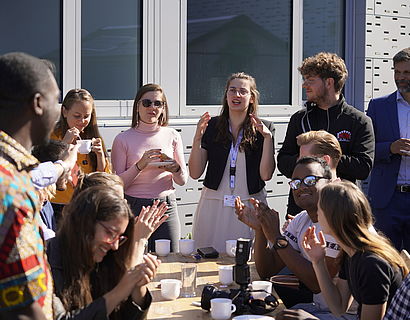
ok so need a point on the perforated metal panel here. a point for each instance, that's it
(400, 8)
(387, 32)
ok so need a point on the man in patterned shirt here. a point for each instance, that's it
(399, 308)
(29, 109)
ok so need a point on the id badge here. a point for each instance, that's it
(229, 200)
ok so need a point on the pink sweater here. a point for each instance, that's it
(129, 146)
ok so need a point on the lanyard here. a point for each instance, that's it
(233, 154)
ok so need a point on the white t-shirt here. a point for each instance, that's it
(295, 233)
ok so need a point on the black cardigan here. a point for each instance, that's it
(218, 154)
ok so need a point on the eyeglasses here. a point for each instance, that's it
(112, 237)
(308, 181)
(241, 92)
(157, 103)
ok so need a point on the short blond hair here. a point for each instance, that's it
(323, 143)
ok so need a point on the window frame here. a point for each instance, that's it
(266, 109)
(165, 27)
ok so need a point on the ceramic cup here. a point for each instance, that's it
(162, 247)
(85, 146)
(170, 288)
(230, 247)
(225, 275)
(186, 246)
(222, 308)
(261, 285)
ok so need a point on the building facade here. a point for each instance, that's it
(191, 46)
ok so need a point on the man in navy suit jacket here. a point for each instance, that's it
(389, 190)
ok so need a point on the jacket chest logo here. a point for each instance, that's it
(344, 136)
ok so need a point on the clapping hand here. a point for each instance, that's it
(246, 214)
(138, 276)
(148, 269)
(314, 247)
(269, 219)
(201, 126)
(149, 219)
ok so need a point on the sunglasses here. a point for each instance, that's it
(308, 181)
(111, 236)
(157, 103)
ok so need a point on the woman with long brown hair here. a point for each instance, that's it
(238, 148)
(78, 121)
(92, 258)
(149, 158)
(371, 268)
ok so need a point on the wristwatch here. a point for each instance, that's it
(281, 242)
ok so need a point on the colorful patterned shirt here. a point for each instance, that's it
(24, 272)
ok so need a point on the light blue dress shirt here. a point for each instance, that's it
(403, 112)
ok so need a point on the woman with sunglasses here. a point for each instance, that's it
(78, 121)
(91, 258)
(371, 268)
(238, 148)
(149, 158)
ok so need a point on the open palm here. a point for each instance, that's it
(314, 246)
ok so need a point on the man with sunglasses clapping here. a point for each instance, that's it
(274, 251)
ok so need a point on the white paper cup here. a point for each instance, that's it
(170, 288)
(222, 308)
(230, 246)
(186, 246)
(225, 275)
(85, 146)
(261, 285)
(162, 247)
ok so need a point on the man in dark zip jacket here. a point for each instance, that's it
(326, 109)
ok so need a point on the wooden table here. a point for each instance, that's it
(182, 308)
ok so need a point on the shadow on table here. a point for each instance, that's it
(188, 314)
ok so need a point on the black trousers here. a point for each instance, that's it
(170, 229)
(291, 296)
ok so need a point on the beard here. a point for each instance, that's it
(320, 97)
(403, 86)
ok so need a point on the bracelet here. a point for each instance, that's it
(136, 164)
(179, 169)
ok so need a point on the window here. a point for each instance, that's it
(33, 27)
(323, 27)
(228, 36)
(111, 47)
